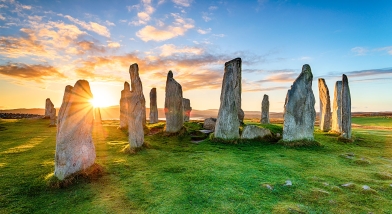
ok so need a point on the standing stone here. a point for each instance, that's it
(187, 109)
(75, 149)
(265, 110)
(52, 117)
(346, 108)
(337, 108)
(136, 109)
(209, 123)
(97, 115)
(124, 102)
(173, 105)
(299, 113)
(153, 106)
(48, 108)
(227, 124)
(325, 106)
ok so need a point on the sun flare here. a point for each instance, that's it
(99, 102)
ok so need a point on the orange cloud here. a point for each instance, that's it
(91, 26)
(37, 73)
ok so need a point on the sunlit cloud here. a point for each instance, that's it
(2, 17)
(37, 73)
(359, 51)
(91, 26)
(184, 3)
(144, 16)
(201, 31)
(280, 77)
(170, 49)
(114, 45)
(108, 23)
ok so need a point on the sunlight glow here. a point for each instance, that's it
(99, 102)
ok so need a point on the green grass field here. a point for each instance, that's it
(174, 175)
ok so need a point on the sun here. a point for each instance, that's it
(98, 102)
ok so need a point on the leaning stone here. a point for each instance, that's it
(136, 109)
(209, 123)
(187, 109)
(228, 123)
(346, 109)
(253, 132)
(153, 106)
(265, 110)
(299, 113)
(325, 106)
(173, 105)
(52, 117)
(124, 104)
(75, 149)
(97, 115)
(337, 108)
(48, 108)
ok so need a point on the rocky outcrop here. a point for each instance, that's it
(153, 106)
(136, 109)
(48, 108)
(75, 149)
(325, 106)
(124, 103)
(186, 103)
(346, 109)
(173, 105)
(299, 113)
(97, 115)
(254, 132)
(337, 108)
(228, 123)
(209, 123)
(265, 110)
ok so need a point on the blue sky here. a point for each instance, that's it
(46, 45)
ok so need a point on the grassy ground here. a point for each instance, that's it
(174, 175)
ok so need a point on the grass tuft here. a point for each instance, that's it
(300, 143)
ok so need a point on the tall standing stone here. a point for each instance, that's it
(265, 110)
(52, 117)
(228, 123)
(124, 102)
(173, 105)
(153, 106)
(325, 106)
(97, 115)
(187, 109)
(75, 149)
(299, 113)
(136, 109)
(337, 108)
(48, 108)
(346, 108)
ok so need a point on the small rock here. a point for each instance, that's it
(325, 184)
(269, 187)
(277, 134)
(209, 123)
(288, 183)
(347, 184)
(365, 187)
(253, 132)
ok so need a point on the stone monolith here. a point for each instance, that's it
(124, 102)
(346, 108)
(173, 105)
(337, 108)
(325, 106)
(136, 109)
(52, 117)
(48, 108)
(228, 123)
(153, 106)
(299, 112)
(186, 103)
(75, 149)
(97, 115)
(265, 110)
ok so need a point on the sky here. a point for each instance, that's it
(46, 45)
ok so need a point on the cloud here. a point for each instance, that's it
(144, 16)
(91, 26)
(246, 89)
(37, 73)
(201, 31)
(84, 46)
(280, 76)
(370, 72)
(170, 49)
(213, 8)
(114, 45)
(205, 17)
(388, 49)
(219, 35)
(359, 51)
(184, 3)
(305, 58)
(178, 28)
(2, 17)
(108, 23)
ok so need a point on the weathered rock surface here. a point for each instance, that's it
(173, 105)
(325, 106)
(252, 132)
(48, 108)
(124, 103)
(186, 103)
(228, 123)
(75, 149)
(53, 117)
(346, 108)
(153, 106)
(97, 115)
(136, 109)
(209, 123)
(337, 108)
(299, 113)
(241, 115)
(265, 110)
